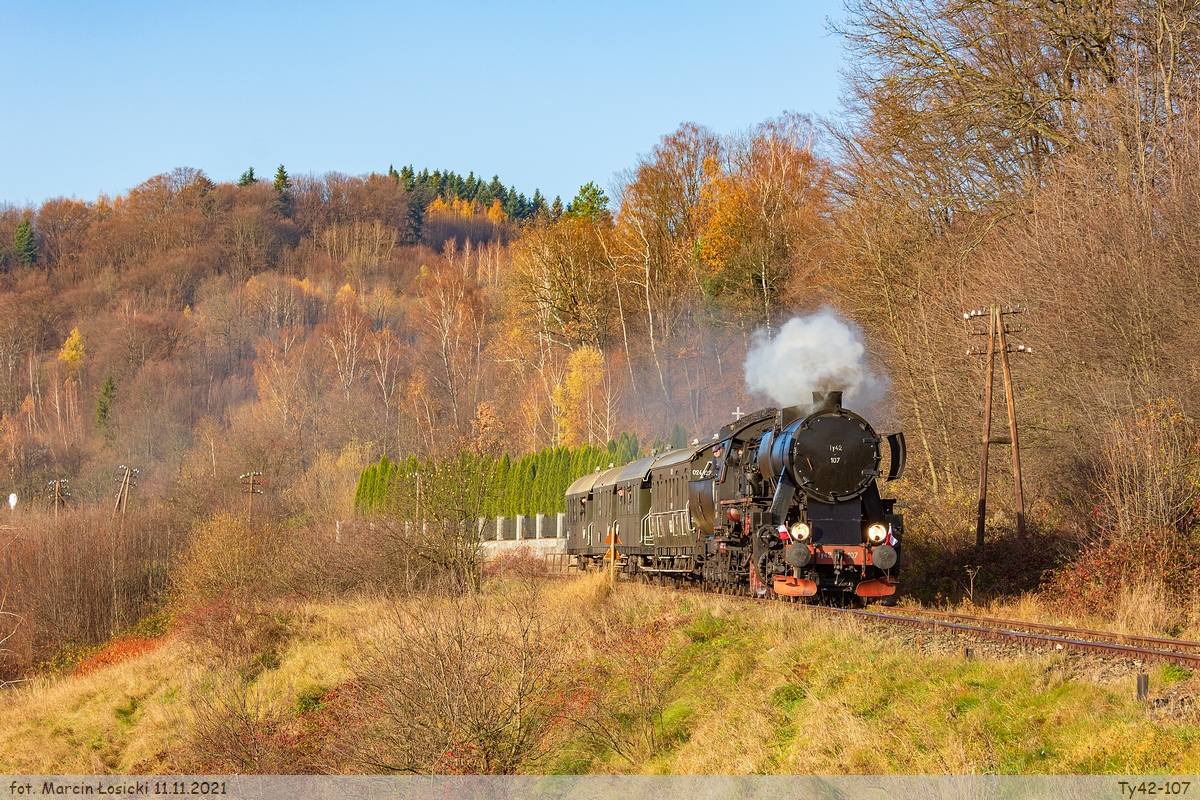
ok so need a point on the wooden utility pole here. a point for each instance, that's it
(57, 489)
(997, 342)
(249, 480)
(128, 478)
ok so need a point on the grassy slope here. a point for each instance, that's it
(752, 688)
(831, 700)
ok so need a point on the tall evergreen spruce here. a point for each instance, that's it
(25, 243)
(283, 184)
(104, 404)
(247, 178)
(678, 437)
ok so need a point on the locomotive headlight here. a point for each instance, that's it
(876, 533)
(801, 531)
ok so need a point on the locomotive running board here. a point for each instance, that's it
(875, 588)
(794, 587)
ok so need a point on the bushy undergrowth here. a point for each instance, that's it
(1144, 536)
(71, 582)
(941, 564)
(575, 677)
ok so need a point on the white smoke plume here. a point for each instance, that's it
(820, 352)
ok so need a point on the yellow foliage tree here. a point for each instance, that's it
(583, 402)
(496, 213)
(72, 353)
(346, 296)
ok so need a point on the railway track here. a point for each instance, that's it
(1030, 634)
(1035, 634)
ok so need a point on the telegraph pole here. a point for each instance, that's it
(251, 484)
(997, 342)
(57, 490)
(128, 478)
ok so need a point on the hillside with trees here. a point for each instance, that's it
(306, 327)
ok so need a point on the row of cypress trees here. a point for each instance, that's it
(534, 484)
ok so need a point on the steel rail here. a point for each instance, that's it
(998, 634)
(942, 621)
(1035, 639)
(1131, 638)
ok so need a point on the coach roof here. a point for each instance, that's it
(637, 470)
(676, 457)
(584, 484)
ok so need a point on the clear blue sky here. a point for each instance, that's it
(101, 96)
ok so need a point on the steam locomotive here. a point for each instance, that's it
(782, 501)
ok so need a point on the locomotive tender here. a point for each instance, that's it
(779, 501)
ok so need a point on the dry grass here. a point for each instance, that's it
(115, 719)
(138, 715)
(1146, 608)
(727, 686)
(825, 697)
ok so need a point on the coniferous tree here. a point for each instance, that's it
(678, 437)
(556, 208)
(282, 182)
(247, 178)
(501, 479)
(25, 243)
(104, 404)
(590, 203)
(360, 491)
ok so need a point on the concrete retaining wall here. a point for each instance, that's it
(534, 547)
(524, 528)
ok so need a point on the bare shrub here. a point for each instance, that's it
(628, 681)
(232, 730)
(1143, 560)
(235, 631)
(228, 725)
(80, 578)
(519, 563)
(471, 684)
(432, 521)
(225, 556)
(1151, 471)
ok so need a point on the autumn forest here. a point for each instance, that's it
(304, 326)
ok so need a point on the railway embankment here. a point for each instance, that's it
(577, 676)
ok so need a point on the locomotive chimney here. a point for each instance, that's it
(826, 401)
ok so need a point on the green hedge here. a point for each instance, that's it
(534, 484)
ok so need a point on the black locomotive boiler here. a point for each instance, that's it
(782, 501)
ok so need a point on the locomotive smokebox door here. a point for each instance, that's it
(835, 456)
